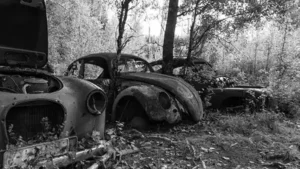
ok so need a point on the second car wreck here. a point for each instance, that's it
(139, 96)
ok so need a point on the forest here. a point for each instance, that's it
(254, 42)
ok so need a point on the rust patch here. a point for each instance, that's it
(26, 156)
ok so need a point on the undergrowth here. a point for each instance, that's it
(246, 124)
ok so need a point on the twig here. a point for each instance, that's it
(128, 151)
(203, 164)
(162, 138)
(191, 148)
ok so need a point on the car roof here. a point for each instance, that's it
(177, 62)
(110, 56)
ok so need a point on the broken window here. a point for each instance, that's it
(132, 65)
(92, 71)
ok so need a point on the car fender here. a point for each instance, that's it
(147, 96)
(79, 118)
(184, 92)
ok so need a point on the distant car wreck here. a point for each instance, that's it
(224, 94)
(138, 96)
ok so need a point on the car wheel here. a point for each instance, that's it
(130, 111)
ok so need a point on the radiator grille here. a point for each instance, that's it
(26, 118)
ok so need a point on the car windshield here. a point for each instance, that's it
(132, 65)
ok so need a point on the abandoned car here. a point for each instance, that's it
(137, 95)
(42, 116)
(221, 92)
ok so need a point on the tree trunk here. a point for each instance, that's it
(122, 17)
(282, 65)
(121, 27)
(269, 48)
(192, 32)
(169, 37)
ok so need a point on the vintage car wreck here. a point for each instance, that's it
(34, 102)
(136, 94)
(224, 93)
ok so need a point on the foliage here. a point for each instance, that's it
(265, 55)
(212, 19)
(201, 74)
(77, 28)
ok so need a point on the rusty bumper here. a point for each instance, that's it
(59, 153)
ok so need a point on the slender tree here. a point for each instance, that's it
(192, 30)
(122, 17)
(169, 36)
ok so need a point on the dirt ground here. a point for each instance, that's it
(243, 141)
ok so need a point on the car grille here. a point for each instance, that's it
(26, 119)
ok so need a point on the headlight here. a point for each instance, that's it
(96, 102)
(164, 100)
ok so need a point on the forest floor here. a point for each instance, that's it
(231, 141)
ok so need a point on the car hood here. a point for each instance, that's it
(183, 91)
(247, 88)
(24, 34)
(258, 90)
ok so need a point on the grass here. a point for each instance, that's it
(246, 124)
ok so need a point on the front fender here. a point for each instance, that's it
(147, 96)
(73, 95)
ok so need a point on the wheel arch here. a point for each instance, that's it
(141, 94)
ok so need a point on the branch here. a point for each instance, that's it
(193, 9)
(126, 41)
(130, 27)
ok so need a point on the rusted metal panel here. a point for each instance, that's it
(148, 97)
(185, 93)
(60, 153)
(25, 156)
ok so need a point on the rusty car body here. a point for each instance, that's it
(224, 93)
(136, 94)
(32, 101)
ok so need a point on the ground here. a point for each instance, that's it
(221, 141)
